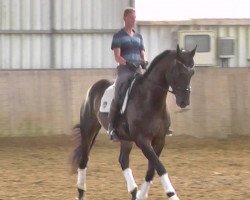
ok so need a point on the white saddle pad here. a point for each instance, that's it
(107, 99)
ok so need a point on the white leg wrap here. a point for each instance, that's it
(81, 179)
(131, 185)
(167, 184)
(143, 192)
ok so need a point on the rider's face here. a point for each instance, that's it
(130, 19)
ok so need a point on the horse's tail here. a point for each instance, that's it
(88, 120)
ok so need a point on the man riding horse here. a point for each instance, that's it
(129, 52)
(147, 117)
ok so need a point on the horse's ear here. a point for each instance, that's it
(193, 51)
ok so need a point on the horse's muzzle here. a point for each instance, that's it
(182, 104)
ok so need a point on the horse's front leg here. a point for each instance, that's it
(125, 150)
(150, 154)
(144, 189)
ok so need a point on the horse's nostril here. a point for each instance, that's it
(182, 104)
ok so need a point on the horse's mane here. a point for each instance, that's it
(155, 61)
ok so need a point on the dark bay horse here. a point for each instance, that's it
(145, 122)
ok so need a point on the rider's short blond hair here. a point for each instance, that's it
(127, 11)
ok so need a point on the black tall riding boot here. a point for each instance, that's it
(113, 113)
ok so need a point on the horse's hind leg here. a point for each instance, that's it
(87, 142)
(125, 150)
(152, 157)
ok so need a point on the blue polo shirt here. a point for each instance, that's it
(131, 46)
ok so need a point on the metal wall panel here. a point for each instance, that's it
(33, 51)
(88, 14)
(232, 32)
(242, 46)
(38, 34)
(77, 34)
(22, 51)
(61, 14)
(248, 44)
(25, 14)
(158, 37)
(83, 51)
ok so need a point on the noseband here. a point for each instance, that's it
(188, 89)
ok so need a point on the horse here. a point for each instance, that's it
(145, 122)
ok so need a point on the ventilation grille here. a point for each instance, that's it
(226, 47)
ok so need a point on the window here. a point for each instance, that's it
(202, 42)
(206, 48)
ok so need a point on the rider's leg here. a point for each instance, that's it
(120, 89)
(113, 113)
(121, 85)
(114, 109)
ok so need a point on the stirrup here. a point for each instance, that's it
(113, 135)
(170, 132)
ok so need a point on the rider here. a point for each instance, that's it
(129, 52)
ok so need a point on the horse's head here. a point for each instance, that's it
(180, 76)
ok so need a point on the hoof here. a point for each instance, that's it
(79, 199)
(139, 196)
(172, 196)
(81, 194)
(133, 193)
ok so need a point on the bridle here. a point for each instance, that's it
(188, 88)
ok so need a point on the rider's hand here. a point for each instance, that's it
(130, 64)
(144, 64)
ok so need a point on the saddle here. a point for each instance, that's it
(109, 95)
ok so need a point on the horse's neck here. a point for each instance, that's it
(157, 86)
(157, 77)
(156, 94)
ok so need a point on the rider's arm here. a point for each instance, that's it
(143, 57)
(118, 57)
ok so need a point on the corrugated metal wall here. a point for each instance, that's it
(43, 34)
(58, 33)
(159, 36)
